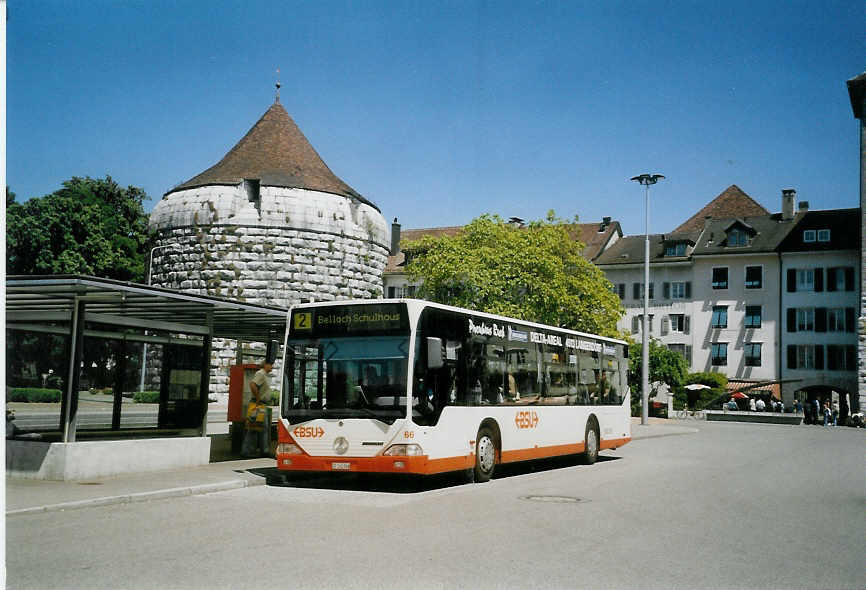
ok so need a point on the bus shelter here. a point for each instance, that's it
(99, 360)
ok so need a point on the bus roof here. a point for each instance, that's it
(421, 303)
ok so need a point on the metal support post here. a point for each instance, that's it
(69, 411)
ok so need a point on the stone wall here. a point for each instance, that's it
(287, 246)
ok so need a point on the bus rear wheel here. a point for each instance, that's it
(485, 455)
(590, 448)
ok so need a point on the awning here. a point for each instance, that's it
(41, 299)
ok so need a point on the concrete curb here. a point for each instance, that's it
(207, 488)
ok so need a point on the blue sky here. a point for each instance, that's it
(441, 111)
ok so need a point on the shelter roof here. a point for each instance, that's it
(47, 298)
(277, 153)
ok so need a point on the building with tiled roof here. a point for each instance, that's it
(719, 292)
(270, 223)
(731, 203)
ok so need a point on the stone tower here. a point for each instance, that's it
(268, 224)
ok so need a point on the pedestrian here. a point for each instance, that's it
(816, 410)
(827, 416)
(260, 395)
(760, 405)
(835, 409)
(752, 404)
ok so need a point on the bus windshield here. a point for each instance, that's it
(346, 377)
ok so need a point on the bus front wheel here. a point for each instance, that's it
(485, 455)
(590, 449)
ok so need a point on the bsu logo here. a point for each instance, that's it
(526, 419)
(309, 432)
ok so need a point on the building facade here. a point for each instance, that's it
(820, 272)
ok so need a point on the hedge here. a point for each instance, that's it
(34, 395)
(145, 397)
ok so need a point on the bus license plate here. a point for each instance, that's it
(340, 466)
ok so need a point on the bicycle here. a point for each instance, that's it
(686, 414)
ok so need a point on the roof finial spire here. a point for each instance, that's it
(278, 85)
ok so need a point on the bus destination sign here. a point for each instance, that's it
(350, 319)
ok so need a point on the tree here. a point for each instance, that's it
(665, 366)
(90, 226)
(535, 273)
(10, 197)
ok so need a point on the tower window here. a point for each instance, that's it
(253, 189)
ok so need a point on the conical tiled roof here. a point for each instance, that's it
(733, 202)
(277, 153)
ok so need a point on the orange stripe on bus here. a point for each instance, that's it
(541, 452)
(614, 443)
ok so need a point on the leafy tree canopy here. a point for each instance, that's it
(665, 365)
(535, 273)
(90, 226)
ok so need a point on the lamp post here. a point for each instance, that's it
(646, 180)
(149, 276)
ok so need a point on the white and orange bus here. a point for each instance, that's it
(409, 386)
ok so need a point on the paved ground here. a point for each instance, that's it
(731, 506)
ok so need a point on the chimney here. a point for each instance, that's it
(803, 206)
(395, 237)
(788, 196)
(605, 222)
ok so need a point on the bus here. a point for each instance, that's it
(415, 387)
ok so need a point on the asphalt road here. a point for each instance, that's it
(733, 506)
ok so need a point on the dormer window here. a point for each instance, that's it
(823, 235)
(737, 237)
(675, 249)
(809, 235)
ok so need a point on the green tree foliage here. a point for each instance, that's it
(90, 226)
(10, 197)
(665, 365)
(533, 273)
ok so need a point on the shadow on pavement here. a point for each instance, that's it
(406, 484)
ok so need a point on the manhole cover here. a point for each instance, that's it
(553, 499)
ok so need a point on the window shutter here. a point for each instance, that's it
(689, 354)
(390, 292)
(851, 358)
(819, 357)
(688, 289)
(792, 356)
(652, 295)
(635, 287)
(850, 320)
(849, 278)
(686, 326)
(666, 322)
(792, 280)
(792, 319)
(831, 278)
(621, 290)
(634, 324)
(666, 290)
(820, 319)
(819, 280)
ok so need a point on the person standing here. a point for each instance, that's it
(826, 413)
(752, 404)
(260, 395)
(835, 408)
(816, 410)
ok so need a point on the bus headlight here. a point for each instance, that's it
(288, 449)
(403, 451)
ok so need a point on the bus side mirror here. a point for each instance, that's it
(434, 353)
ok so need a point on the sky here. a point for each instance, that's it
(441, 111)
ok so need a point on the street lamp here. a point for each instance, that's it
(646, 180)
(149, 276)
